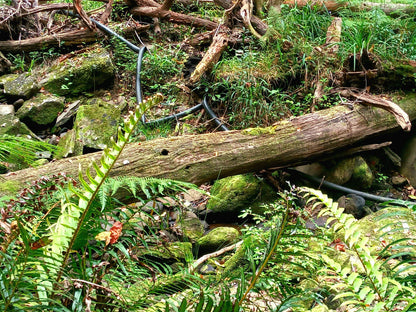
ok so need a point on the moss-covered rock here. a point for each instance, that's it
(69, 146)
(178, 251)
(341, 172)
(19, 86)
(41, 110)
(235, 193)
(217, 238)
(11, 125)
(96, 122)
(190, 226)
(362, 176)
(353, 171)
(81, 73)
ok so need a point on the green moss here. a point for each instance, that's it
(218, 238)
(259, 130)
(81, 73)
(42, 109)
(176, 250)
(10, 188)
(231, 265)
(96, 123)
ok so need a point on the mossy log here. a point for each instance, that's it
(69, 38)
(206, 157)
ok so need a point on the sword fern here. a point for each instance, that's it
(65, 231)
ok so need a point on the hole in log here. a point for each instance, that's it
(164, 152)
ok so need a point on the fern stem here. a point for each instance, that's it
(368, 275)
(69, 224)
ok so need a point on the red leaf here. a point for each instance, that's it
(115, 231)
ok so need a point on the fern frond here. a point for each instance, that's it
(374, 290)
(147, 186)
(13, 149)
(65, 230)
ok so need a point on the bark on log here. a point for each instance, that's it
(69, 38)
(206, 157)
(153, 9)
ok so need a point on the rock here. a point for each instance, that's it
(207, 269)
(39, 162)
(96, 122)
(67, 114)
(398, 180)
(18, 103)
(41, 111)
(341, 173)
(353, 204)
(80, 73)
(190, 226)
(151, 207)
(354, 171)
(11, 125)
(231, 195)
(176, 250)
(320, 308)
(6, 110)
(17, 86)
(68, 146)
(217, 239)
(362, 176)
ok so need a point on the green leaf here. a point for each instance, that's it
(378, 307)
(370, 298)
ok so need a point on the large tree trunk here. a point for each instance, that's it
(206, 157)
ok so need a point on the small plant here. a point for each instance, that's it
(18, 149)
(375, 289)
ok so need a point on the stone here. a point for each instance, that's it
(235, 193)
(81, 73)
(353, 204)
(41, 111)
(39, 162)
(11, 125)
(16, 86)
(218, 238)
(341, 173)
(6, 110)
(353, 171)
(362, 176)
(67, 114)
(175, 250)
(68, 146)
(190, 226)
(398, 180)
(408, 165)
(320, 308)
(96, 122)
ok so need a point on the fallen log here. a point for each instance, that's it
(73, 37)
(206, 157)
(153, 9)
